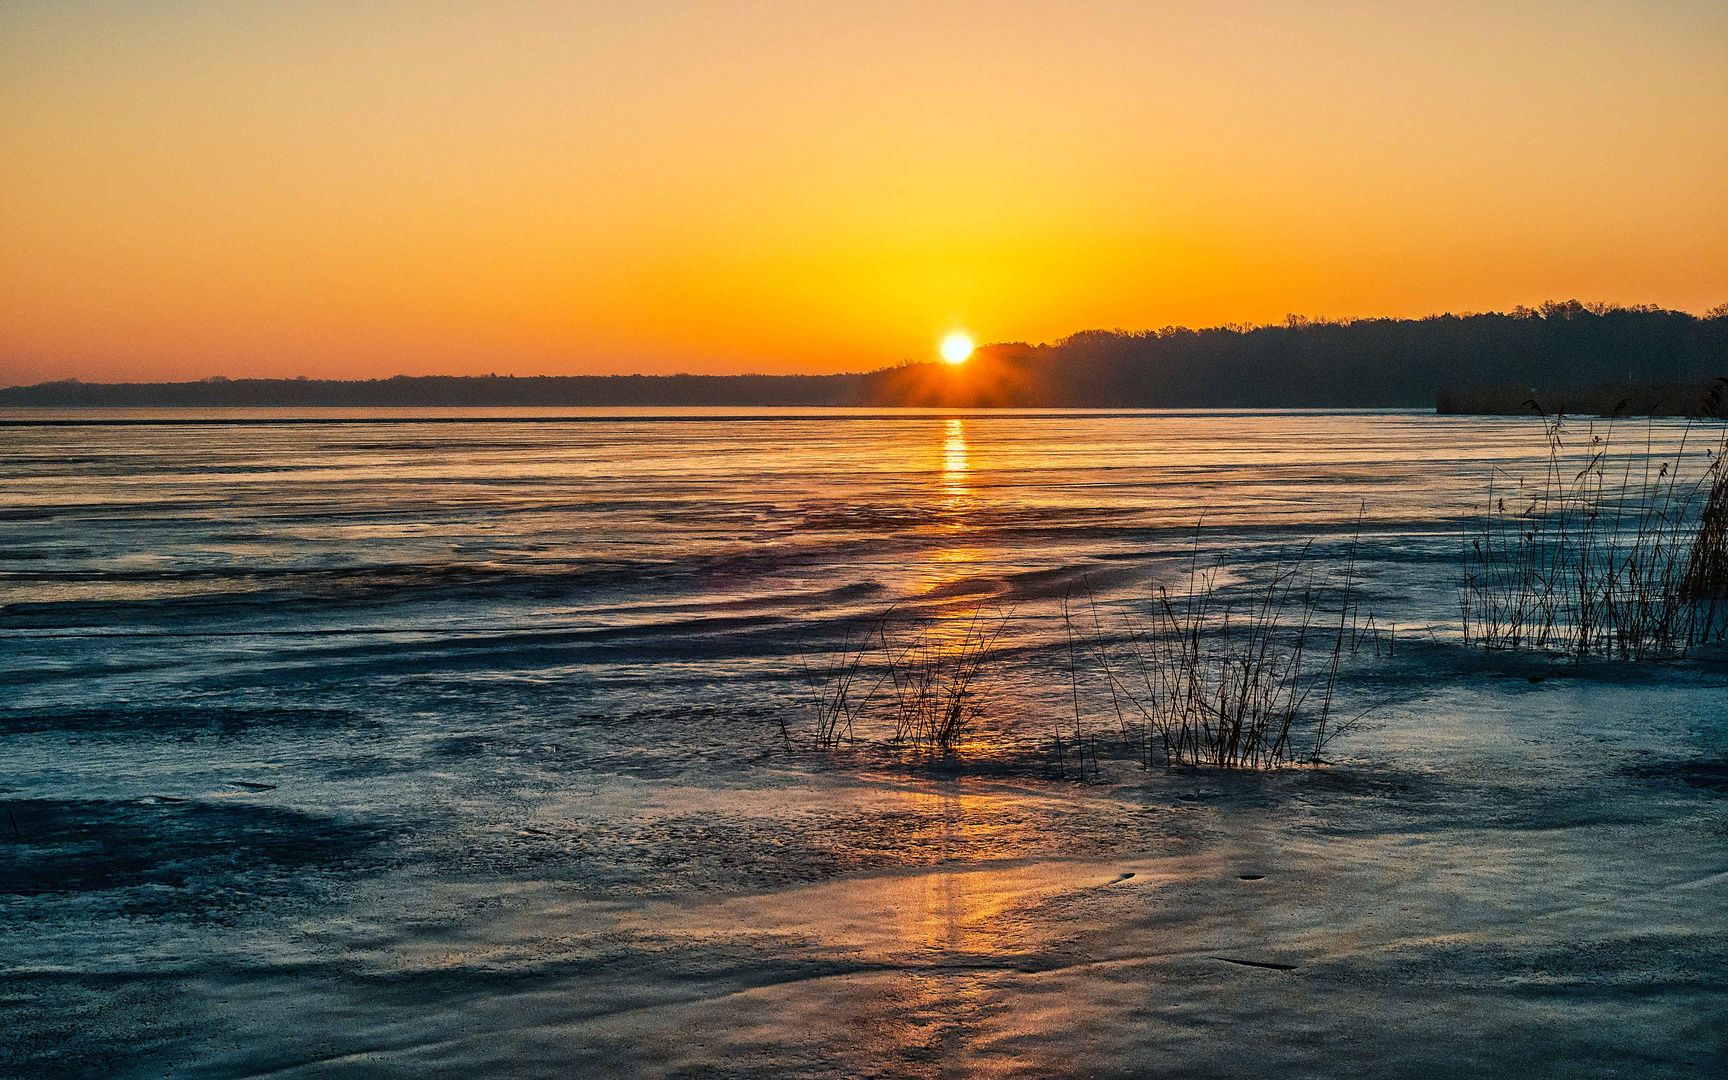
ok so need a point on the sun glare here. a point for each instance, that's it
(956, 348)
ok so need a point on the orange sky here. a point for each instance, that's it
(352, 189)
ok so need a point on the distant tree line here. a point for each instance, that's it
(1449, 361)
(1361, 363)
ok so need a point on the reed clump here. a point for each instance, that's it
(923, 674)
(1242, 678)
(1610, 554)
(934, 671)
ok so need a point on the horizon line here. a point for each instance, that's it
(1547, 309)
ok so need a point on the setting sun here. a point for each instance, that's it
(956, 348)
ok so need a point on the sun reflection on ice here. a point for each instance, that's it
(955, 466)
(949, 561)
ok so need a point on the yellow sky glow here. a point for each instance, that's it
(356, 190)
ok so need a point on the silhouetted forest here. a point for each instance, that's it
(1476, 362)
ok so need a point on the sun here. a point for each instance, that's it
(956, 348)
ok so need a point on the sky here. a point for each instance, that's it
(357, 189)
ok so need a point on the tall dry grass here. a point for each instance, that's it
(922, 672)
(933, 670)
(831, 690)
(1622, 555)
(1245, 677)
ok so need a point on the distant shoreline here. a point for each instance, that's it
(1593, 358)
(885, 413)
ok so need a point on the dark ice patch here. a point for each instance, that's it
(173, 857)
(1708, 775)
(133, 722)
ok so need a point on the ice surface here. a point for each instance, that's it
(454, 750)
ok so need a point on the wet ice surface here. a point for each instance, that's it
(453, 749)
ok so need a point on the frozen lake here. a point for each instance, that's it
(453, 746)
